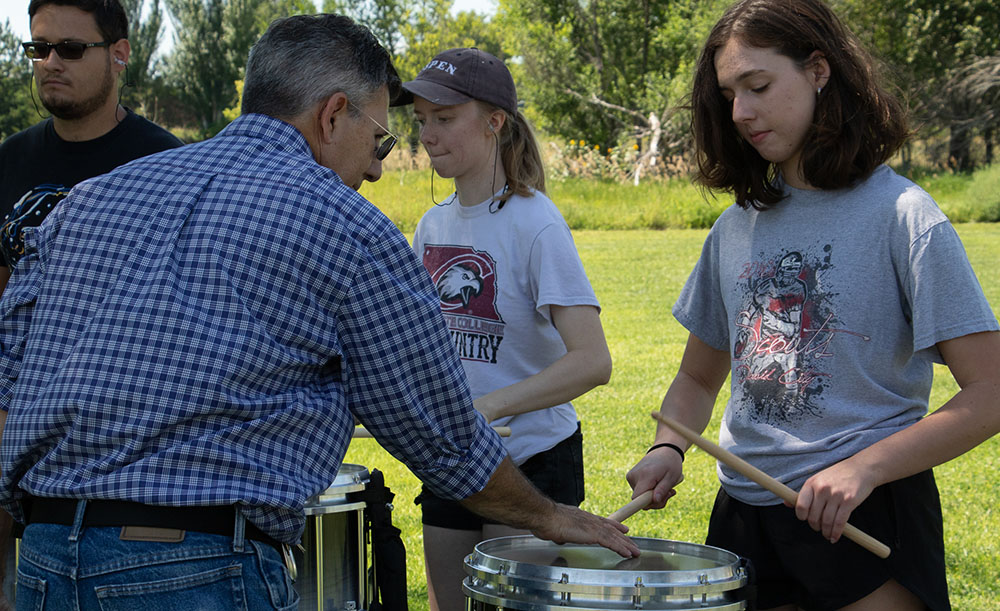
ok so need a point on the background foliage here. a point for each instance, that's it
(16, 111)
(612, 73)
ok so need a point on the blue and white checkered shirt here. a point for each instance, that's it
(201, 327)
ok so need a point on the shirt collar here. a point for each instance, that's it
(263, 126)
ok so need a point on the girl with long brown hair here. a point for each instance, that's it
(826, 293)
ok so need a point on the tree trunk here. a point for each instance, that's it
(959, 149)
(988, 135)
(656, 133)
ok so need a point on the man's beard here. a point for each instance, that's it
(68, 109)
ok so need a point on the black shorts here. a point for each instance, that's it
(558, 473)
(795, 565)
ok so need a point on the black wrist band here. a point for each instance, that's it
(667, 445)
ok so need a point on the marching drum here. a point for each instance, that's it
(332, 573)
(525, 573)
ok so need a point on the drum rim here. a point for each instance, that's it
(485, 564)
(350, 478)
(502, 603)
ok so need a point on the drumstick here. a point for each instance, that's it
(763, 479)
(639, 502)
(361, 432)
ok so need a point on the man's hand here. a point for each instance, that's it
(573, 525)
(511, 499)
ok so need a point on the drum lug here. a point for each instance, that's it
(565, 596)
(703, 580)
(637, 597)
(502, 571)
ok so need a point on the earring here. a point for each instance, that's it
(819, 90)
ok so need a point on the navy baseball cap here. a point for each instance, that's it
(457, 76)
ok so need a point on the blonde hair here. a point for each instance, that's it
(519, 153)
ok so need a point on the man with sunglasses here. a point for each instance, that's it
(78, 49)
(189, 339)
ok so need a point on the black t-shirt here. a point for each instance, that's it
(38, 168)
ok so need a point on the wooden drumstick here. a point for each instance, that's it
(639, 502)
(361, 432)
(763, 479)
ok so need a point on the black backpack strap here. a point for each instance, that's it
(388, 551)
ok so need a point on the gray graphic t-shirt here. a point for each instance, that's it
(830, 306)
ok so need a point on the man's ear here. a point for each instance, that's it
(333, 110)
(120, 52)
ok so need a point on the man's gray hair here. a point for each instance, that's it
(303, 60)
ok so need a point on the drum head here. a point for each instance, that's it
(527, 573)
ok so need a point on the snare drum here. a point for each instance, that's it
(524, 572)
(332, 572)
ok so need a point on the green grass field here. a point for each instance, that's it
(637, 276)
(404, 195)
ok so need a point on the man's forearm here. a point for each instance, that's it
(511, 499)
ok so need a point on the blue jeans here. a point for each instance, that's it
(82, 569)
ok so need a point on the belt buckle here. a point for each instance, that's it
(286, 554)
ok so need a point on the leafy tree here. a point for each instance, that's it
(609, 70)
(16, 109)
(269, 11)
(382, 17)
(213, 39)
(145, 88)
(144, 39)
(200, 66)
(928, 42)
(978, 86)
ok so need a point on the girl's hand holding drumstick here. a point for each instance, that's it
(759, 477)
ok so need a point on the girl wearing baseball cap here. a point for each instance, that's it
(513, 291)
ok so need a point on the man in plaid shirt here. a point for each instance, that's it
(188, 340)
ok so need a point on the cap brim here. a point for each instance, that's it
(436, 94)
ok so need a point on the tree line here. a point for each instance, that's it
(609, 72)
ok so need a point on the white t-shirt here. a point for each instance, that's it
(496, 274)
(830, 305)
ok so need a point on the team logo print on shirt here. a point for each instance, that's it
(465, 280)
(785, 337)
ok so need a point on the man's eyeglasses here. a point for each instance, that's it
(37, 51)
(382, 150)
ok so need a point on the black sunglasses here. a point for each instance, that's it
(37, 51)
(388, 141)
(383, 149)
